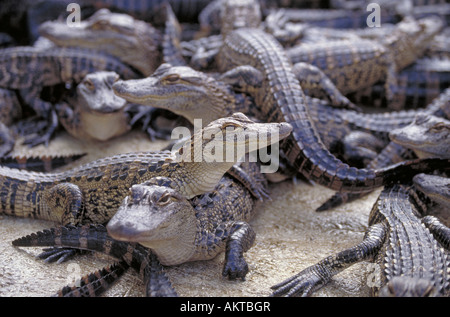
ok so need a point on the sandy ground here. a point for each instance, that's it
(290, 237)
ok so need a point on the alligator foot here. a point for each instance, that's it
(40, 133)
(59, 255)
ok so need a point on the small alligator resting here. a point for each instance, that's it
(177, 230)
(95, 112)
(29, 69)
(95, 238)
(92, 192)
(409, 251)
(132, 41)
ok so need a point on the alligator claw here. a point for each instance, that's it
(59, 255)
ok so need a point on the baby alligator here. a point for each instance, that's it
(410, 257)
(92, 193)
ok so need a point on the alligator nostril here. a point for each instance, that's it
(129, 224)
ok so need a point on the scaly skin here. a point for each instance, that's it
(394, 152)
(10, 109)
(417, 86)
(132, 41)
(178, 230)
(95, 238)
(186, 92)
(95, 112)
(199, 229)
(30, 69)
(353, 65)
(435, 187)
(38, 163)
(411, 260)
(92, 193)
(427, 136)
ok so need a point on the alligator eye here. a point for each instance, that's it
(165, 199)
(440, 126)
(101, 24)
(231, 124)
(172, 78)
(89, 84)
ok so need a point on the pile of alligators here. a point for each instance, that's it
(303, 90)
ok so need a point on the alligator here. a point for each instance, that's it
(95, 112)
(178, 231)
(91, 193)
(427, 136)
(396, 152)
(417, 86)
(169, 87)
(134, 42)
(367, 59)
(435, 187)
(356, 64)
(29, 69)
(411, 257)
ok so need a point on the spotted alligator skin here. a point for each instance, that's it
(417, 86)
(27, 66)
(38, 163)
(134, 42)
(412, 261)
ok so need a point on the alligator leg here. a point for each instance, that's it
(156, 281)
(253, 185)
(440, 231)
(43, 109)
(241, 239)
(59, 255)
(316, 84)
(244, 78)
(316, 276)
(66, 201)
